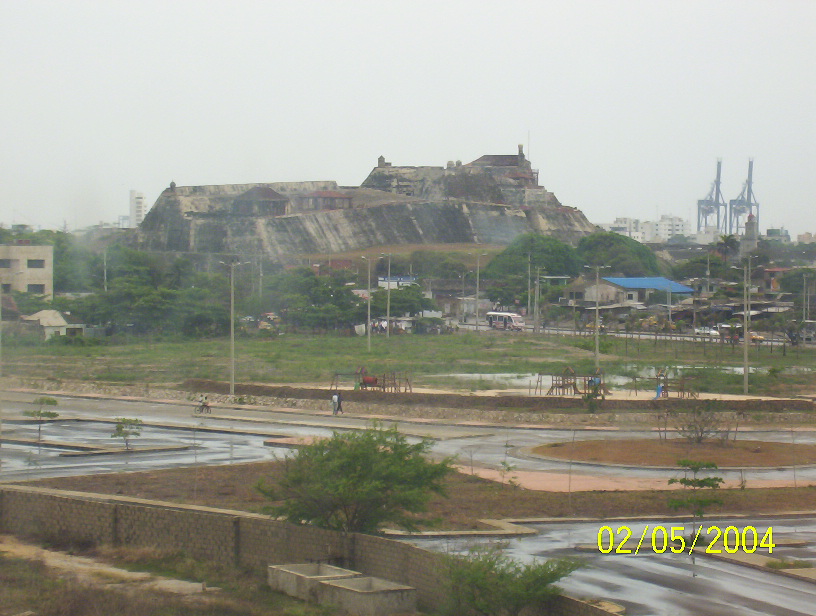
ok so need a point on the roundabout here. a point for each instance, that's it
(665, 453)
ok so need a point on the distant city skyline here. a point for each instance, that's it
(623, 107)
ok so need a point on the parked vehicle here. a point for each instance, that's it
(505, 320)
(708, 332)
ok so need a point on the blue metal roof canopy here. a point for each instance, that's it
(654, 283)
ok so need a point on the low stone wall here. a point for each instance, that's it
(526, 404)
(225, 537)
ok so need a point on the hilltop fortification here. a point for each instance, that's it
(490, 201)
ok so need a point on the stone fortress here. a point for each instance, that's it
(488, 201)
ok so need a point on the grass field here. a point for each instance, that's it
(429, 360)
(31, 585)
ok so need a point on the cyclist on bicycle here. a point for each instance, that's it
(203, 405)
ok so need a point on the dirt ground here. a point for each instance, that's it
(658, 452)
(470, 498)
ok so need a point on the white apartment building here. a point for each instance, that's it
(137, 208)
(648, 230)
(27, 268)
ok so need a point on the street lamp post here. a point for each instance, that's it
(232, 265)
(368, 302)
(1, 371)
(478, 256)
(388, 297)
(746, 322)
(746, 326)
(462, 302)
(536, 312)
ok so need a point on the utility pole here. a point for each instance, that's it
(232, 328)
(477, 288)
(529, 256)
(388, 297)
(260, 276)
(746, 337)
(746, 324)
(368, 302)
(597, 269)
(537, 315)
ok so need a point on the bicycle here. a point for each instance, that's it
(202, 408)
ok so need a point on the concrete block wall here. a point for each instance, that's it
(226, 537)
(55, 515)
(263, 541)
(404, 563)
(569, 606)
(201, 533)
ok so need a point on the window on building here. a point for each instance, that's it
(5, 263)
(36, 288)
(36, 263)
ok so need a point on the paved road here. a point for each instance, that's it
(214, 440)
(647, 584)
(651, 584)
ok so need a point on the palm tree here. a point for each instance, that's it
(728, 245)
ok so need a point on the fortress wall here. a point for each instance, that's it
(337, 231)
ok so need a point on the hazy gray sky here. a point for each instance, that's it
(628, 104)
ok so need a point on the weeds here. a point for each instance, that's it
(30, 586)
(788, 564)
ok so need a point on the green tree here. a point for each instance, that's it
(433, 264)
(485, 582)
(40, 414)
(405, 300)
(623, 255)
(126, 429)
(301, 298)
(696, 493)
(29, 303)
(506, 275)
(698, 266)
(357, 481)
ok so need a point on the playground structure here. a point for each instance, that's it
(665, 386)
(390, 382)
(570, 384)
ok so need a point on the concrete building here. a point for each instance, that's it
(650, 231)
(53, 323)
(27, 268)
(780, 235)
(621, 291)
(138, 209)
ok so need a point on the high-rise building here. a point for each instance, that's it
(137, 208)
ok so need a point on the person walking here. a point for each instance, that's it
(339, 404)
(335, 402)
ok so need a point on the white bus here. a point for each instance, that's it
(505, 320)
